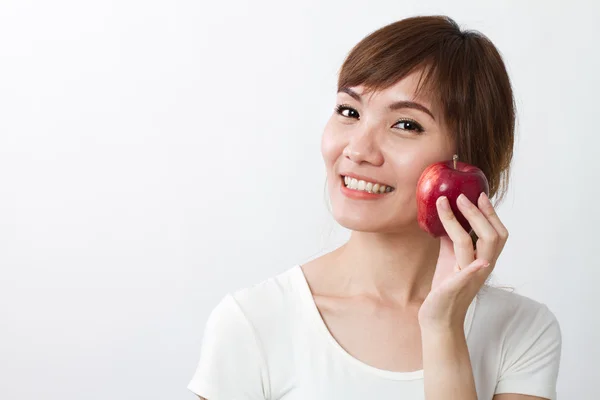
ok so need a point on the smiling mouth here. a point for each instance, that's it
(365, 186)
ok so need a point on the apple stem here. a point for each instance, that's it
(455, 159)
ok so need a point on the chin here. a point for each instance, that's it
(365, 223)
(361, 226)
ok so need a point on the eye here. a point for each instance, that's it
(410, 125)
(346, 111)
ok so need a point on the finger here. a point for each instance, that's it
(487, 208)
(488, 238)
(463, 245)
(475, 273)
(469, 275)
(446, 264)
(447, 258)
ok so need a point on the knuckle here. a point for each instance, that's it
(448, 215)
(468, 209)
(491, 212)
(464, 241)
(491, 238)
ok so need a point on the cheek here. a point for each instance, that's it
(331, 145)
(412, 161)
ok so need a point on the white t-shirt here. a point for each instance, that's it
(268, 341)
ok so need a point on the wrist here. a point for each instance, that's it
(443, 326)
(443, 347)
(437, 330)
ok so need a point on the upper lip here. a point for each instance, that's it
(364, 178)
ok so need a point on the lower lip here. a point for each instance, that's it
(359, 194)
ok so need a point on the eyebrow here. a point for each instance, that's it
(394, 106)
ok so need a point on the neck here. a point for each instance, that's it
(390, 266)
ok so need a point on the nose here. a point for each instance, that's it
(363, 148)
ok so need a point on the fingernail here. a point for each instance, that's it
(444, 203)
(464, 200)
(481, 263)
(485, 197)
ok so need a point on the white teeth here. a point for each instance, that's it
(369, 187)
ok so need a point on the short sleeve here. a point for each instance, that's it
(232, 365)
(532, 367)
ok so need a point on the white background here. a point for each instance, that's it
(155, 155)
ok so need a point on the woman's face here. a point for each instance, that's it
(370, 137)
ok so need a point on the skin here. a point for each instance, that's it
(410, 289)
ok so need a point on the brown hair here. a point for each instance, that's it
(464, 72)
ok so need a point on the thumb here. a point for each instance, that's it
(465, 275)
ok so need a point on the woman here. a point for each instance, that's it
(395, 313)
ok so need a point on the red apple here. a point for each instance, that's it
(450, 179)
